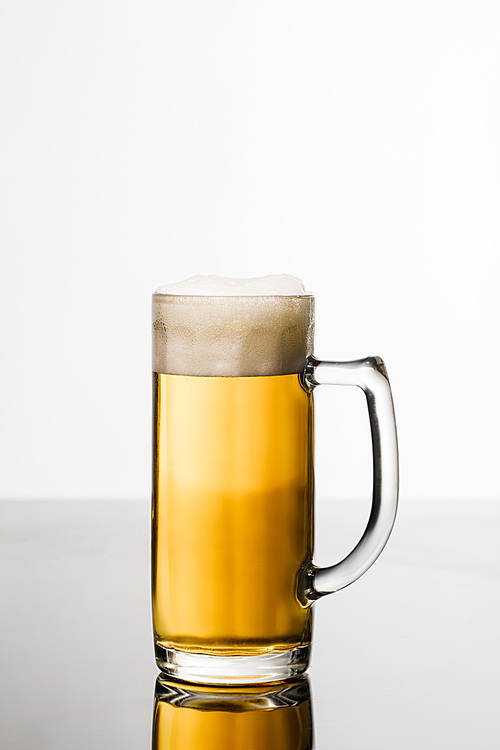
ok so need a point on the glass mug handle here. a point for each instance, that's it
(370, 375)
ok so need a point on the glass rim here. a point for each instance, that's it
(234, 296)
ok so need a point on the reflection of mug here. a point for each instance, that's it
(189, 717)
(233, 578)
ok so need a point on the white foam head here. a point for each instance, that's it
(222, 286)
(215, 326)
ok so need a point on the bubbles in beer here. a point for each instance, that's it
(214, 326)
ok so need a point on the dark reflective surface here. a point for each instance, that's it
(407, 657)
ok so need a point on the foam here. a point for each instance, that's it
(223, 286)
(212, 326)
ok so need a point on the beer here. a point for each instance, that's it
(188, 718)
(232, 513)
(232, 485)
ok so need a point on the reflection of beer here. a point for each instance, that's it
(232, 485)
(187, 718)
(232, 513)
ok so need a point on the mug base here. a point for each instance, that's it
(206, 669)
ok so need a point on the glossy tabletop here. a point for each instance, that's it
(406, 657)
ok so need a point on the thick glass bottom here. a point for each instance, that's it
(257, 669)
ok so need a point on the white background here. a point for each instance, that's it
(353, 144)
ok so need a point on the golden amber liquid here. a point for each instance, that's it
(232, 513)
(186, 728)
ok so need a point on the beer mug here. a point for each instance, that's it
(233, 577)
(190, 717)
